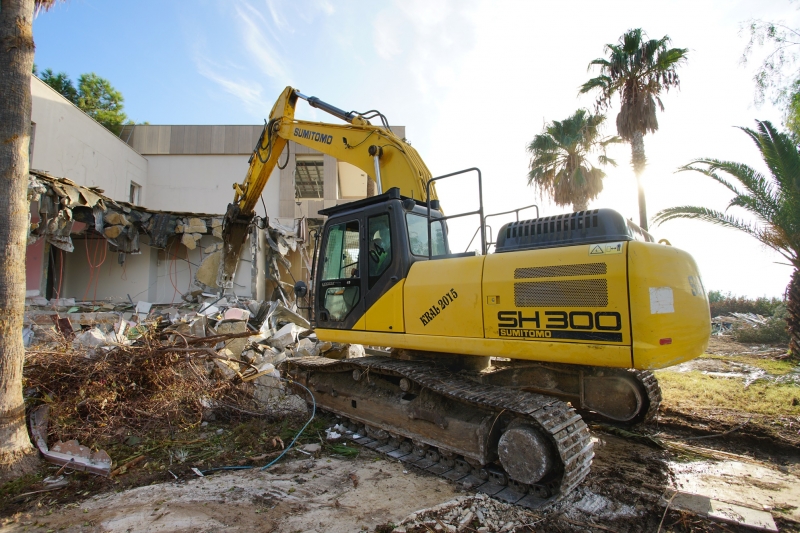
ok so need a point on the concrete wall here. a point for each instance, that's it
(201, 183)
(156, 276)
(68, 143)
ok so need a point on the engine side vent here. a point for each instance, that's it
(558, 271)
(570, 229)
(565, 293)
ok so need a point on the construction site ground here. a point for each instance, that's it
(727, 437)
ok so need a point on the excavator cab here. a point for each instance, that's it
(367, 249)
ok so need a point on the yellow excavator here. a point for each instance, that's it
(491, 354)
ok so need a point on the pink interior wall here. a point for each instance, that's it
(34, 258)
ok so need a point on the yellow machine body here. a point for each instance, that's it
(628, 305)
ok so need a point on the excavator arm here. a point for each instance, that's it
(386, 159)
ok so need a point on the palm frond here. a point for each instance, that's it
(774, 200)
(708, 215)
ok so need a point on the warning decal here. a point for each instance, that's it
(605, 248)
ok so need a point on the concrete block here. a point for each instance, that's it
(112, 232)
(189, 241)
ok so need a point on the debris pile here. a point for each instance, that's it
(111, 371)
(723, 325)
(468, 513)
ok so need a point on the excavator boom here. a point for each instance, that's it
(386, 159)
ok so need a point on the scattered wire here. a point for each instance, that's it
(289, 447)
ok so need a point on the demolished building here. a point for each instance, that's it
(132, 218)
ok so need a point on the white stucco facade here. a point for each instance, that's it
(201, 183)
(69, 143)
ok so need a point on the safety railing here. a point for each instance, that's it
(479, 212)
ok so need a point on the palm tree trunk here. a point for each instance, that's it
(793, 308)
(580, 205)
(639, 162)
(17, 456)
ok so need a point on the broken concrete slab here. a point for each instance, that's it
(83, 319)
(195, 225)
(234, 313)
(236, 346)
(724, 512)
(285, 336)
(116, 219)
(112, 232)
(207, 271)
(143, 309)
(189, 241)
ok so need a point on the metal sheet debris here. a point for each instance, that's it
(69, 453)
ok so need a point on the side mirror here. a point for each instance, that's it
(300, 289)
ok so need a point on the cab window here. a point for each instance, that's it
(341, 252)
(418, 235)
(341, 264)
(379, 247)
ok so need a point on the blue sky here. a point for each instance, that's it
(472, 80)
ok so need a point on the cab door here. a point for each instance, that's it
(341, 279)
(386, 269)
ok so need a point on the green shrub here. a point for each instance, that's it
(773, 332)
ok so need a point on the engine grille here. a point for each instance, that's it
(564, 293)
(559, 271)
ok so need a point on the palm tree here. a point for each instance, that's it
(773, 200)
(560, 165)
(17, 456)
(640, 70)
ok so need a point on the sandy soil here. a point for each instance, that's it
(629, 489)
(315, 495)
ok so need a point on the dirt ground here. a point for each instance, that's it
(707, 453)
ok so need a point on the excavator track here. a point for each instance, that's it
(652, 389)
(426, 440)
(623, 397)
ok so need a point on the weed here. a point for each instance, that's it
(346, 451)
(18, 486)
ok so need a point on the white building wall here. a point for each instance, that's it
(69, 143)
(202, 183)
(155, 276)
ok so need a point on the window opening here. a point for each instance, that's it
(379, 247)
(309, 178)
(135, 193)
(418, 235)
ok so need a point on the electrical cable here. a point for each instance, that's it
(289, 447)
(362, 142)
(288, 151)
(264, 204)
(189, 287)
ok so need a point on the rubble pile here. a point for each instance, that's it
(723, 325)
(468, 513)
(112, 370)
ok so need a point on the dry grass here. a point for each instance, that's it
(773, 367)
(161, 382)
(694, 390)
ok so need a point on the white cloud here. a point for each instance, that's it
(260, 48)
(248, 91)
